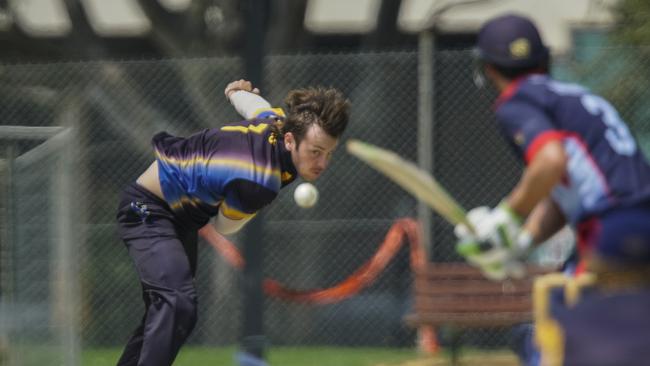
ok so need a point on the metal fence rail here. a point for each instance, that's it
(39, 284)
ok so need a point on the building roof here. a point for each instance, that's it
(126, 18)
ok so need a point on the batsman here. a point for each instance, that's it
(583, 168)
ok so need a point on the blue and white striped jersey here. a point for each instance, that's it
(238, 168)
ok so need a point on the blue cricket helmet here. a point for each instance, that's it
(511, 41)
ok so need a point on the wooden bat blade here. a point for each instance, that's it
(414, 180)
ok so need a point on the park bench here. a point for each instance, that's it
(456, 296)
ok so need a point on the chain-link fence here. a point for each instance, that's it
(114, 109)
(39, 290)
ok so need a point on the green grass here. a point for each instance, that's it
(285, 356)
(318, 356)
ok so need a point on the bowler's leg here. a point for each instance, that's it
(170, 300)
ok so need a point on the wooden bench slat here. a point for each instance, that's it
(465, 271)
(485, 304)
(458, 294)
(471, 287)
(469, 320)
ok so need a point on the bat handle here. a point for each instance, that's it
(469, 225)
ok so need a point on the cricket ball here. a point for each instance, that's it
(305, 195)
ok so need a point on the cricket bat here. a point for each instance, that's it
(414, 180)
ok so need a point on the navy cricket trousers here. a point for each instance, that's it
(164, 253)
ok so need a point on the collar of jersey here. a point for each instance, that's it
(511, 89)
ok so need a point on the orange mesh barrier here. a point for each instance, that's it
(402, 229)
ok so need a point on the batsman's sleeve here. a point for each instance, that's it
(526, 127)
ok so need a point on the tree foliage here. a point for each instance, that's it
(632, 26)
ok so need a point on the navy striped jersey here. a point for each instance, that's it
(238, 168)
(605, 168)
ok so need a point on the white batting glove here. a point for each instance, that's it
(497, 244)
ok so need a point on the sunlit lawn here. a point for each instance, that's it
(317, 356)
(285, 356)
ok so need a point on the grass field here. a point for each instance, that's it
(312, 356)
(286, 356)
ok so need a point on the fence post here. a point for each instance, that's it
(253, 340)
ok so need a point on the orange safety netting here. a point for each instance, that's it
(403, 230)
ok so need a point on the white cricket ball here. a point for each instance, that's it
(306, 195)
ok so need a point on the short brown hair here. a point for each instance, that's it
(325, 107)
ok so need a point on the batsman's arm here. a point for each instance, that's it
(502, 229)
(544, 221)
(546, 169)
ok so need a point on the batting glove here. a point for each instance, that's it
(497, 244)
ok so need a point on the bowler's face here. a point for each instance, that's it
(313, 154)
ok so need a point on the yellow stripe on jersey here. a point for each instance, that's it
(233, 163)
(178, 204)
(286, 176)
(258, 129)
(233, 213)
